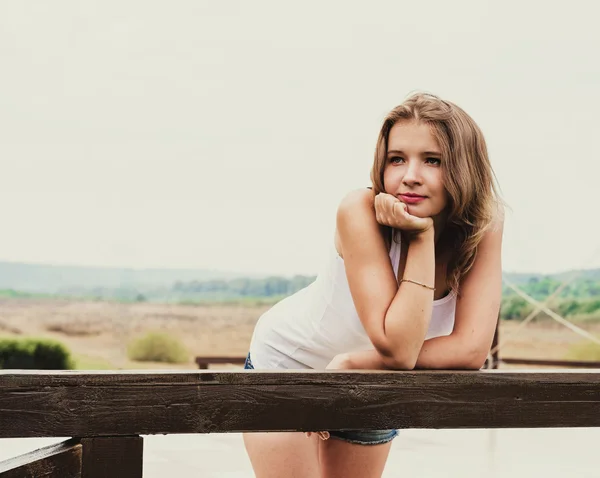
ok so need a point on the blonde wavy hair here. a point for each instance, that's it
(467, 175)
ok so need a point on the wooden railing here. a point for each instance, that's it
(106, 412)
(550, 362)
(494, 360)
(203, 362)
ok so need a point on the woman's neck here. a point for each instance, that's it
(439, 224)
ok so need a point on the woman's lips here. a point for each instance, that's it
(412, 199)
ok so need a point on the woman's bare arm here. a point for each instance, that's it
(446, 352)
(395, 318)
(477, 311)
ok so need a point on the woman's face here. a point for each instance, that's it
(412, 172)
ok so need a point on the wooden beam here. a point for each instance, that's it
(39, 403)
(61, 460)
(551, 363)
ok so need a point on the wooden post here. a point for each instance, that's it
(112, 457)
(496, 354)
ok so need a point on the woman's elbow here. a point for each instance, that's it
(475, 359)
(391, 356)
(400, 362)
(405, 365)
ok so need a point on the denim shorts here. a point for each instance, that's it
(359, 437)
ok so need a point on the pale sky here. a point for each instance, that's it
(204, 134)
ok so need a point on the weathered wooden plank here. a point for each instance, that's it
(112, 457)
(62, 460)
(551, 363)
(116, 404)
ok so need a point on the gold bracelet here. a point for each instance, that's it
(418, 283)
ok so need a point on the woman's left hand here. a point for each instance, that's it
(340, 362)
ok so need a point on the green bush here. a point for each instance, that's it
(36, 354)
(570, 307)
(583, 318)
(515, 308)
(157, 347)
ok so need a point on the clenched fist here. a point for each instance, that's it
(390, 211)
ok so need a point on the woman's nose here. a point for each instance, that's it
(412, 173)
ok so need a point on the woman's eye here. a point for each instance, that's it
(396, 159)
(435, 161)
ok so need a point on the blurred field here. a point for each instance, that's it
(97, 333)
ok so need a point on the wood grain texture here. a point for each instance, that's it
(131, 403)
(112, 457)
(62, 460)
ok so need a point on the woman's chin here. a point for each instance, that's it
(416, 211)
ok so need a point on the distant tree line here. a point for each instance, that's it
(541, 287)
(580, 299)
(268, 287)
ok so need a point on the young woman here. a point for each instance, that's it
(413, 281)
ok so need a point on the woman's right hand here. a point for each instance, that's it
(390, 211)
(339, 362)
(321, 435)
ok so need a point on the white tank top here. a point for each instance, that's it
(310, 327)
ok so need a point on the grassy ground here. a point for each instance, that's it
(98, 333)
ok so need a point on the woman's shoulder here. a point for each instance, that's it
(357, 198)
(356, 217)
(498, 215)
(495, 226)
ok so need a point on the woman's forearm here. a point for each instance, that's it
(446, 352)
(407, 319)
(363, 360)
